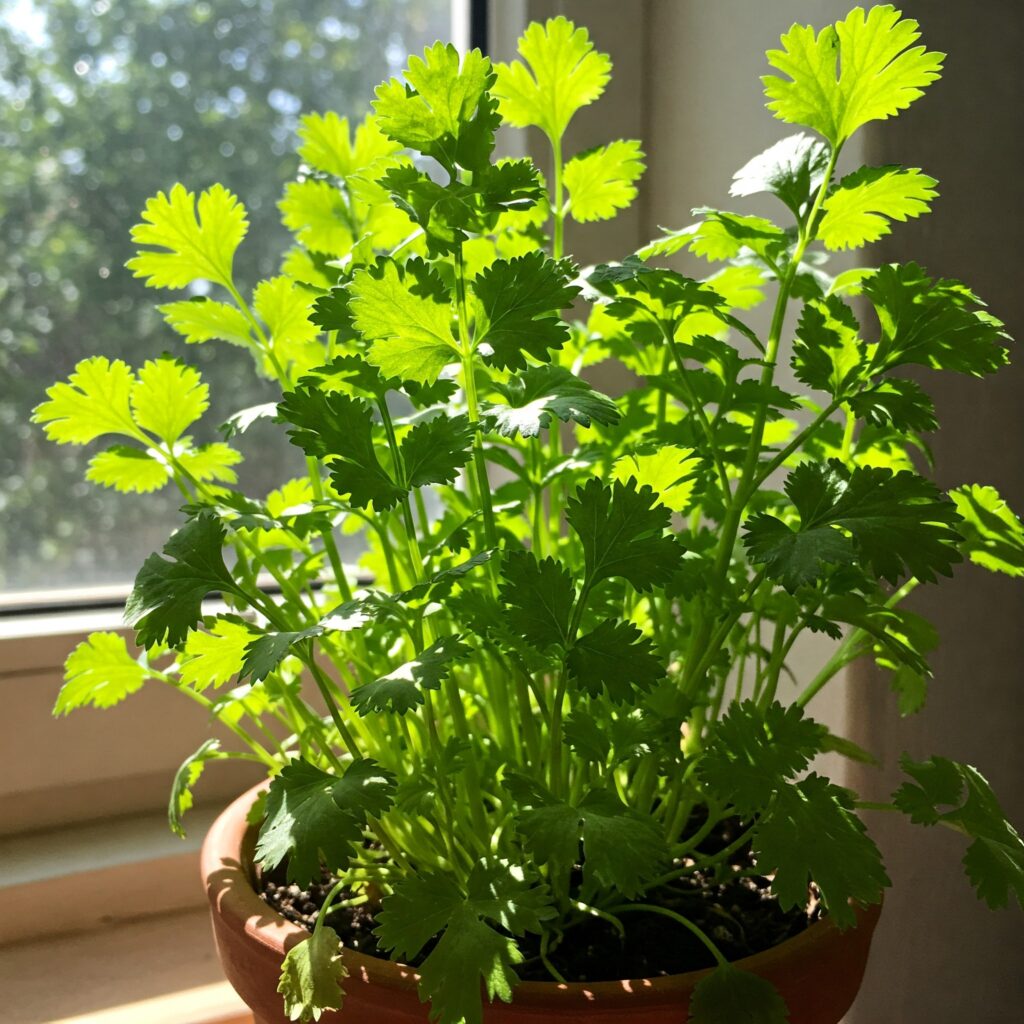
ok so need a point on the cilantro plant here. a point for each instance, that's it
(558, 666)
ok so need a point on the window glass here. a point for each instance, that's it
(102, 104)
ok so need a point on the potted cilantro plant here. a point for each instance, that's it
(531, 759)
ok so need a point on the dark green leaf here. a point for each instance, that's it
(939, 324)
(893, 524)
(520, 300)
(537, 598)
(401, 689)
(811, 833)
(956, 794)
(729, 995)
(435, 450)
(166, 601)
(538, 393)
(616, 657)
(265, 653)
(751, 754)
(622, 533)
(312, 815)
(897, 403)
(340, 428)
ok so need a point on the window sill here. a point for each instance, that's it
(163, 970)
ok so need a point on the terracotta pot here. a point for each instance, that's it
(818, 972)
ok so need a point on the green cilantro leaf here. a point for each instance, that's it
(864, 68)
(339, 428)
(932, 323)
(285, 308)
(197, 247)
(828, 353)
(622, 531)
(265, 652)
(435, 450)
(617, 657)
(216, 657)
(897, 403)
(671, 472)
(539, 392)
(751, 754)
(792, 169)
(729, 995)
(622, 849)
(811, 833)
(312, 815)
(993, 534)
(168, 398)
(184, 781)
(537, 598)
(562, 73)
(317, 214)
(859, 209)
(602, 181)
(201, 319)
(166, 601)
(442, 108)
(95, 400)
(470, 948)
(894, 524)
(401, 690)
(723, 236)
(329, 146)
(128, 470)
(519, 300)
(411, 333)
(311, 976)
(99, 672)
(995, 859)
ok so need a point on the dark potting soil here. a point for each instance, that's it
(740, 914)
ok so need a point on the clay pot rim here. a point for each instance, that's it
(225, 862)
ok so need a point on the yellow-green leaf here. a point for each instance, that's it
(860, 209)
(411, 334)
(128, 470)
(214, 658)
(670, 472)
(864, 68)
(168, 397)
(314, 211)
(993, 535)
(199, 320)
(285, 307)
(327, 144)
(99, 672)
(211, 462)
(603, 181)
(311, 976)
(94, 401)
(562, 73)
(195, 247)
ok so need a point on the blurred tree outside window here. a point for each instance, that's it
(102, 104)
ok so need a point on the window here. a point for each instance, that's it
(102, 104)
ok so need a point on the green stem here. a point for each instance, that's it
(746, 487)
(649, 908)
(467, 351)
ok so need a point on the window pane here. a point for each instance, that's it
(102, 104)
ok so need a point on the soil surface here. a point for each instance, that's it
(739, 913)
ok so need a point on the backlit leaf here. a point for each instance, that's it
(198, 243)
(864, 68)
